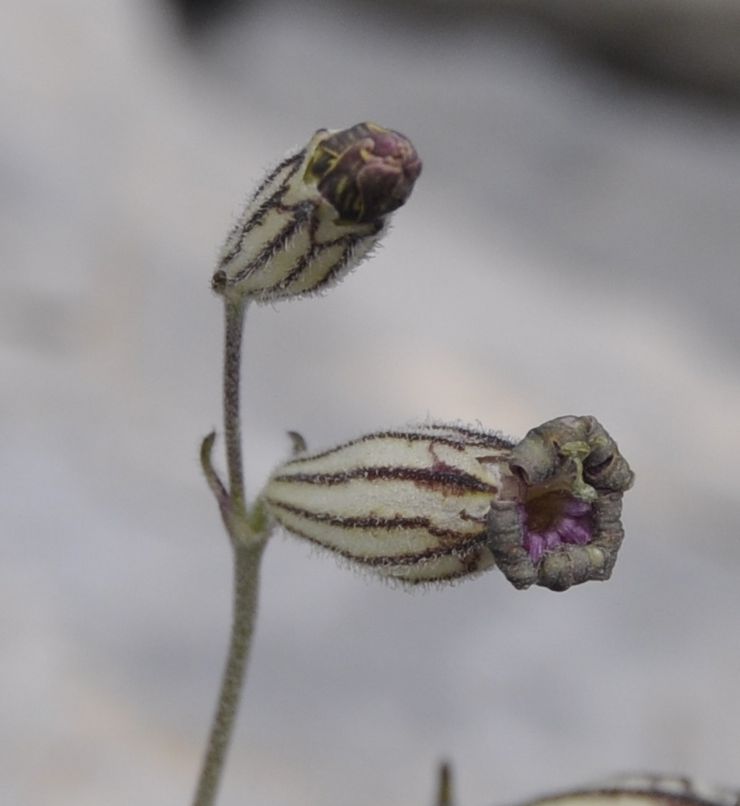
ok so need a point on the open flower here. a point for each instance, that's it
(317, 214)
(440, 501)
(563, 525)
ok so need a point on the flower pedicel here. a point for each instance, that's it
(439, 501)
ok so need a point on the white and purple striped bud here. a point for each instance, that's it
(317, 214)
(438, 502)
(644, 790)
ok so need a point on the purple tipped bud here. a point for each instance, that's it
(364, 172)
(317, 214)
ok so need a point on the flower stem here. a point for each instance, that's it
(444, 785)
(248, 533)
(246, 583)
(234, 318)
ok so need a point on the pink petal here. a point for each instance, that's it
(535, 545)
(552, 539)
(574, 507)
(573, 532)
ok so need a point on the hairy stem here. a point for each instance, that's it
(234, 316)
(246, 583)
(248, 533)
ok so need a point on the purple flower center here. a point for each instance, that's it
(553, 518)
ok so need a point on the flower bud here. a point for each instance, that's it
(439, 501)
(365, 172)
(643, 790)
(317, 214)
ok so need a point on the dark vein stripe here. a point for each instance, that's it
(278, 243)
(427, 555)
(409, 436)
(246, 226)
(301, 266)
(274, 202)
(240, 230)
(316, 251)
(292, 159)
(483, 439)
(397, 522)
(334, 272)
(421, 476)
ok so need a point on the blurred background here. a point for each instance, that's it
(570, 248)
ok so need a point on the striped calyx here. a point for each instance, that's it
(439, 501)
(410, 503)
(644, 790)
(317, 214)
